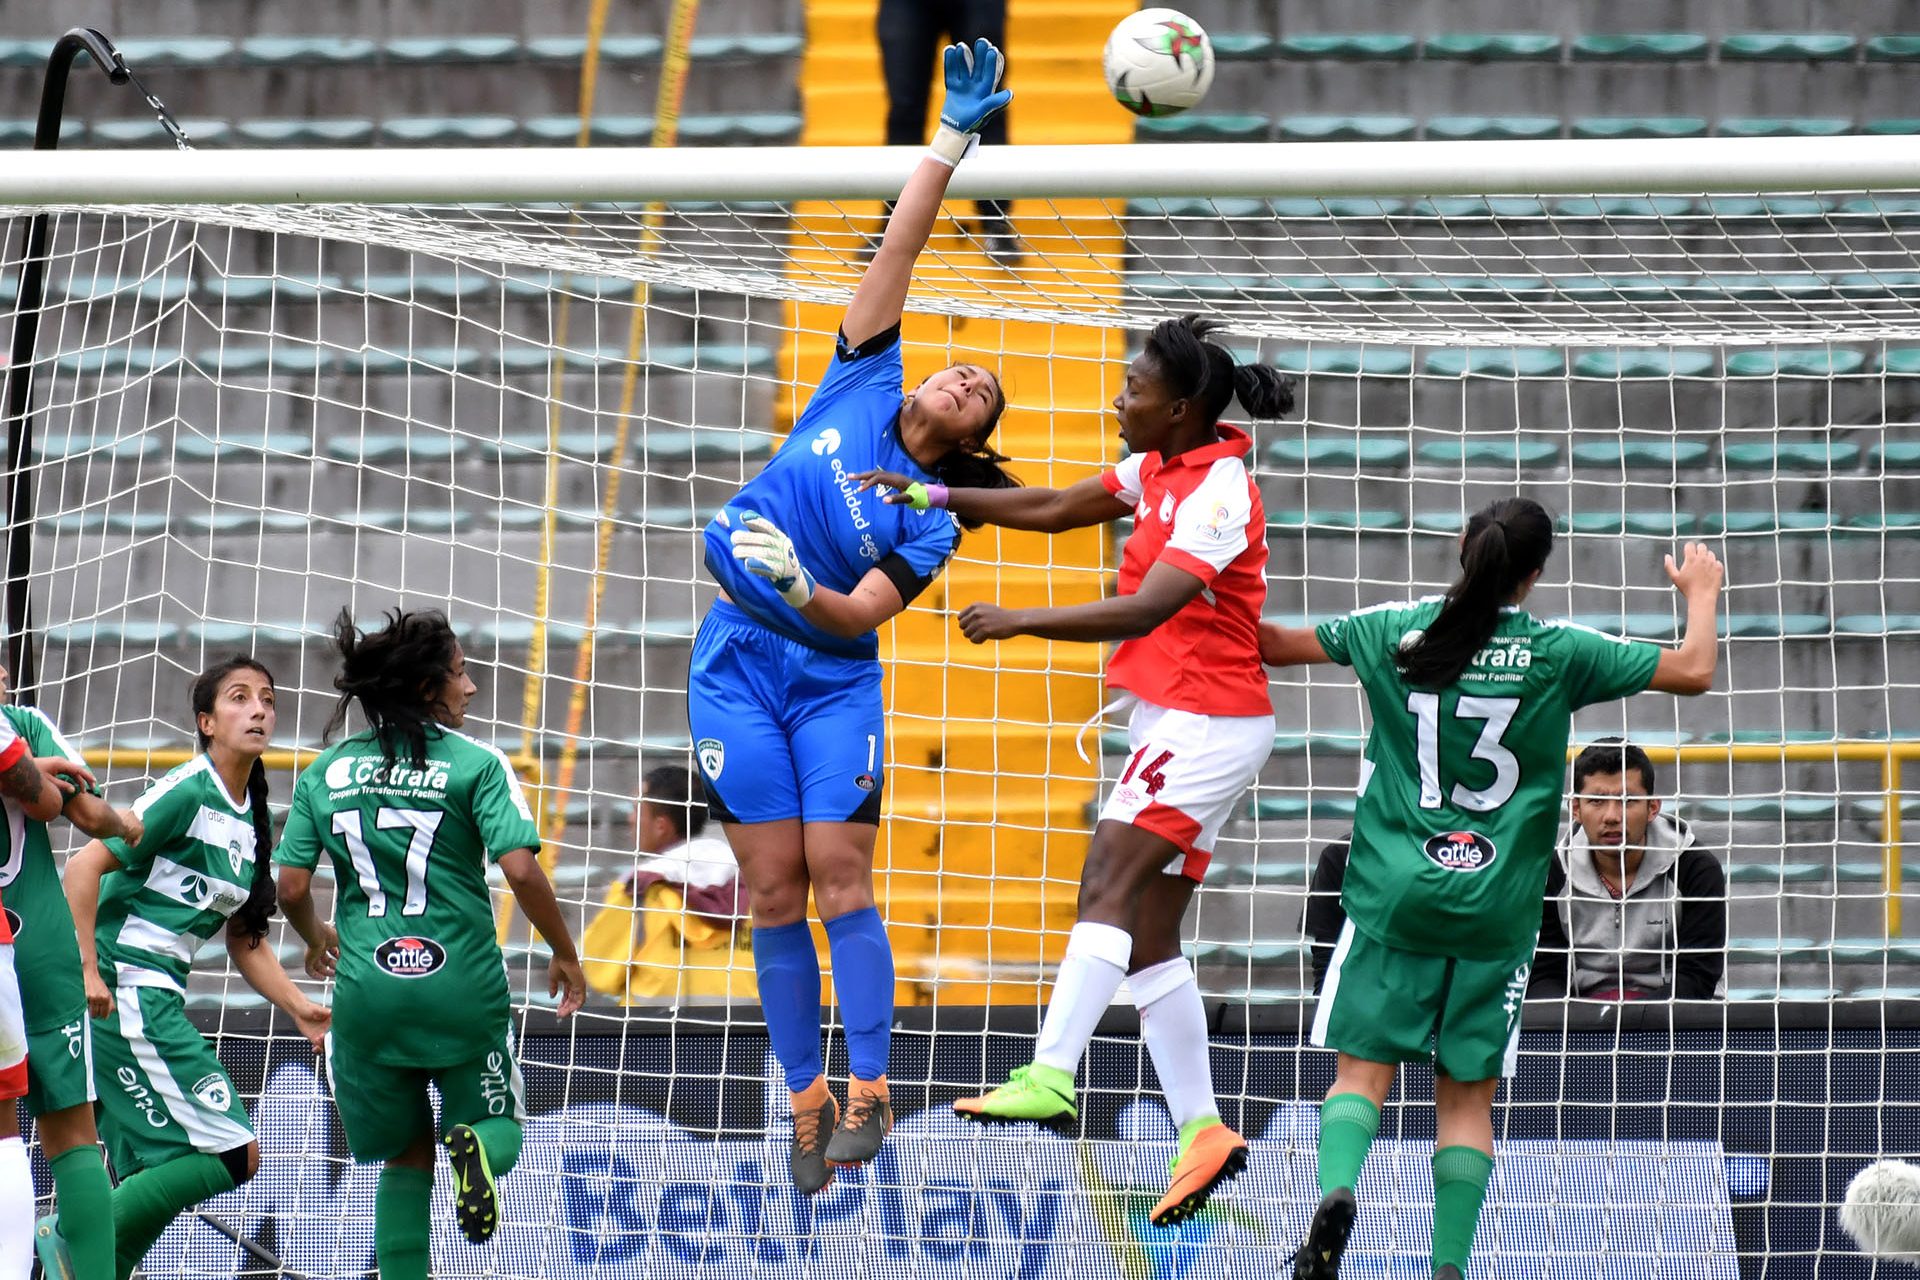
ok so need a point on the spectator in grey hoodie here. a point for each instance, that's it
(1635, 908)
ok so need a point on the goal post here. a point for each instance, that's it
(273, 384)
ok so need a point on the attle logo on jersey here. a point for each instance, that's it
(409, 956)
(1460, 851)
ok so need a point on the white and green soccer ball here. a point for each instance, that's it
(1158, 62)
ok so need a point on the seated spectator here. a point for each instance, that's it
(1635, 908)
(668, 927)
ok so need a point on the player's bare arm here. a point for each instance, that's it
(1688, 670)
(873, 600)
(1290, 646)
(261, 968)
(82, 880)
(296, 901)
(24, 784)
(1165, 591)
(93, 815)
(534, 893)
(1078, 506)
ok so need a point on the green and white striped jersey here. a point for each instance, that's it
(45, 955)
(191, 871)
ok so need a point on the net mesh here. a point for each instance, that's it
(250, 418)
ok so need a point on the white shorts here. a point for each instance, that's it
(1184, 774)
(13, 1031)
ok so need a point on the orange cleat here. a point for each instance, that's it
(1208, 1158)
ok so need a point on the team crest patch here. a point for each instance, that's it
(1460, 851)
(713, 757)
(1166, 508)
(213, 1092)
(409, 956)
(236, 857)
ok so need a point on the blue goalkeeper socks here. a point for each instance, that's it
(863, 981)
(789, 972)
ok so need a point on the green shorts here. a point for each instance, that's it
(1382, 1004)
(60, 1066)
(384, 1109)
(163, 1092)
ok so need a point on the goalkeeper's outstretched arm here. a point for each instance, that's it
(1087, 502)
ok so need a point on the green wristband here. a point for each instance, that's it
(916, 495)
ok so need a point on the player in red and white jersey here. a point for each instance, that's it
(1187, 614)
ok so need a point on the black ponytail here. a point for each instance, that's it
(1195, 368)
(395, 674)
(262, 903)
(1505, 542)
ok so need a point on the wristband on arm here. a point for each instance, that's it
(921, 497)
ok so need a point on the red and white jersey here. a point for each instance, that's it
(1199, 511)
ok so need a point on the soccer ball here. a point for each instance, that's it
(1158, 62)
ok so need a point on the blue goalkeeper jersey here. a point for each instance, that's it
(850, 425)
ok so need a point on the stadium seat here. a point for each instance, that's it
(1640, 127)
(1904, 48)
(168, 288)
(1496, 362)
(613, 48)
(440, 522)
(1224, 207)
(1182, 285)
(379, 362)
(173, 52)
(1357, 128)
(452, 48)
(420, 446)
(1287, 872)
(1774, 524)
(145, 131)
(1899, 125)
(532, 446)
(1623, 207)
(1355, 46)
(1895, 455)
(227, 520)
(1779, 873)
(1658, 46)
(1783, 126)
(1371, 361)
(1371, 451)
(100, 519)
(280, 51)
(518, 632)
(1642, 626)
(190, 443)
(1292, 807)
(1666, 454)
(1491, 128)
(1774, 626)
(1903, 362)
(1786, 808)
(1204, 127)
(109, 633)
(1479, 207)
(1792, 455)
(602, 131)
(1642, 524)
(339, 131)
(1876, 624)
(1492, 46)
(1773, 208)
(1794, 362)
(1787, 46)
(1341, 521)
(283, 357)
(20, 133)
(1506, 452)
(447, 131)
(703, 444)
(118, 360)
(210, 634)
(740, 129)
(738, 46)
(440, 289)
(1643, 364)
(1299, 742)
(1241, 46)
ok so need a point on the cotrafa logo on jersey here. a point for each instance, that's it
(1459, 851)
(409, 956)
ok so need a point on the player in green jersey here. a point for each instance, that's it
(77, 1241)
(1472, 704)
(411, 812)
(175, 1126)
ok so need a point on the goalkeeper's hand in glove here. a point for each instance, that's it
(974, 96)
(768, 552)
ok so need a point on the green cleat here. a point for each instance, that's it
(1033, 1094)
(476, 1202)
(55, 1262)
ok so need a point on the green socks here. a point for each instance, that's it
(500, 1138)
(84, 1198)
(1348, 1123)
(401, 1222)
(144, 1204)
(1460, 1177)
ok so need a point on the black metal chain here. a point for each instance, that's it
(172, 126)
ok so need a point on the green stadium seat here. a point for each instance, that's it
(1496, 362)
(1623, 207)
(1290, 873)
(1899, 285)
(1299, 742)
(1654, 363)
(1787, 46)
(29, 52)
(1492, 128)
(1895, 455)
(118, 360)
(1876, 624)
(245, 635)
(1768, 737)
(1775, 626)
(112, 632)
(1893, 48)
(191, 444)
(377, 362)
(148, 132)
(1779, 873)
(602, 131)
(1891, 525)
(1204, 127)
(237, 521)
(1640, 127)
(1371, 451)
(280, 51)
(704, 444)
(1334, 521)
(102, 520)
(285, 358)
(1506, 452)
(1792, 455)
(1492, 46)
(1876, 952)
(531, 446)
(1357, 128)
(177, 52)
(1656, 46)
(1773, 208)
(226, 1001)
(1772, 524)
(1666, 454)
(1898, 126)
(527, 518)
(1795, 362)
(1787, 808)
(170, 288)
(453, 48)
(344, 131)
(1292, 807)
(443, 289)
(447, 131)
(518, 632)
(744, 45)
(1641, 626)
(418, 447)
(1241, 46)
(20, 133)
(1614, 524)
(1352, 46)
(1251, 951)
(1784, 126)
(1224, 207)
(428, 522)
(1478, 206)
(613, 49)
(739, 130)
(254, 291)
(1373, 362)
(1780, 994)
(1902, 362)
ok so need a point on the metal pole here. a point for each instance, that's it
(19, 371)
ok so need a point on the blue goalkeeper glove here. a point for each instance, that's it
(974, 96)
(769, 553)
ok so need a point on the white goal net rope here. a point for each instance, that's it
(250, 416)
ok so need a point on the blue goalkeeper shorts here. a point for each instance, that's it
(782, 730)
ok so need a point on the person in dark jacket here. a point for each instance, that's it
(1635, 909)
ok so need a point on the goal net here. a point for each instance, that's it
(252, 409)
